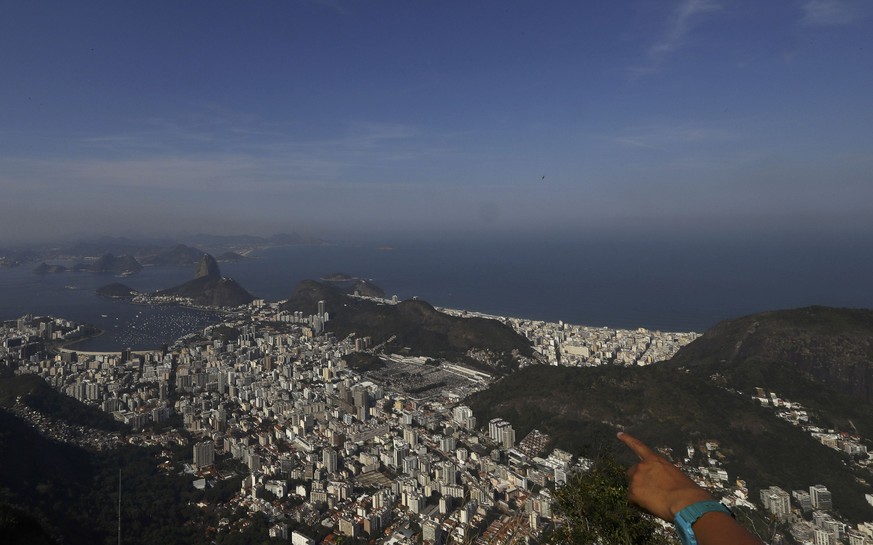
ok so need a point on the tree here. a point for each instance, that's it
(596, 510)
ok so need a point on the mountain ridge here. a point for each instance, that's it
(833, 346)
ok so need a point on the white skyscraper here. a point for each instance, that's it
(204, 454)
(329, 459)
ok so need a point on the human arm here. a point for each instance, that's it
(662, 489)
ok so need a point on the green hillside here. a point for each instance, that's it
(832, 347)
(817, 356)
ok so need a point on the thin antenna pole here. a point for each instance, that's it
(119, 506)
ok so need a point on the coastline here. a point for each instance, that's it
(65, 346)
(605, 291)
(219, 310)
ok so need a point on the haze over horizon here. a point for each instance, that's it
(337, 118)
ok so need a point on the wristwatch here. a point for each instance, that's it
(686, 518)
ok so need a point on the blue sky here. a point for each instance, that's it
(342, 118)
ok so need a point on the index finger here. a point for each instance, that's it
(639, 448)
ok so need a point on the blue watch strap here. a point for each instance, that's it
(686, 518)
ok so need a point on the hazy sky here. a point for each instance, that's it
(336, 117)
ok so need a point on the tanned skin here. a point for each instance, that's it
(663, 490)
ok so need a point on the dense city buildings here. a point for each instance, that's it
(392, 453)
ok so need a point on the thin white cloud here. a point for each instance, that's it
(369, 135)
(832, 12)
(225, 153)
(266, 143)
(682, 20)
(668, 135)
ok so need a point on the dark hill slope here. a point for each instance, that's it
(817, 356)
(29, 458)
(830, 346)
(72, 493)
(33, 391)
(37, 473)
(415, 324)
(21, 528)
(583, 407)
(212, 292)
(367, 289)
(308, 293)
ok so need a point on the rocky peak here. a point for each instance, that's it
(208, 268)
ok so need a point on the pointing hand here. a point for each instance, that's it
(658, 486)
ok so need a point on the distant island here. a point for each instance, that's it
(45, 268)
(88, 255)
(107, 263)
(117, 291)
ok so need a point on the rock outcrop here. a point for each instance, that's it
(208, 268)
(209, 288)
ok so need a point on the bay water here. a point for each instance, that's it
(623, 282)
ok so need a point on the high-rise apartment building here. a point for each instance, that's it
(777, 501)
(329, 460)
(204, 454)
(821, 497)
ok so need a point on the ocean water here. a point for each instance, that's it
(630, 282)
